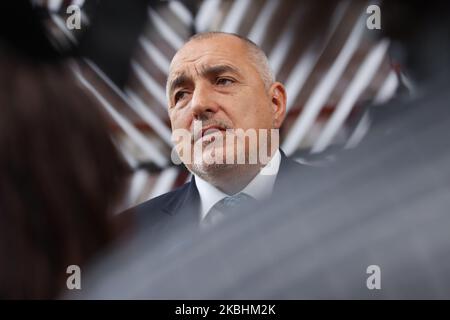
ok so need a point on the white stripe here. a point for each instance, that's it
(156, 122)
(308, 60)
(205, 14)
(388, 88)
(321, 93)
(359, 133)
(362, 79)
(54, 5)
(181, 12)
(281, 48)
(165, 29)
(235, 16)
(59, 22)
(129, 158)
(188, 178)
(299, 74)
(79, 3)
(408, 84)
(386, 92)
(148, 148)
(150, 117)
(259, 28)
(165, 182)
(153, 52)
(137, 184)
(152, 86)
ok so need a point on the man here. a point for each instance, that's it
(224, 102)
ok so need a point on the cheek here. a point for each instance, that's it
(259, 115)
(242, 109)
(179, 120)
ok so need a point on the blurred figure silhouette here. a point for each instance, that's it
(61, 175)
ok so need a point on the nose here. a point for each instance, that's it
(203, 103)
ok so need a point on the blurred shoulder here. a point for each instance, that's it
(162, 202)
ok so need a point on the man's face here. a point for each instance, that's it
(213, 82)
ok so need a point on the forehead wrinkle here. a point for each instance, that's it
(217, 69)
(178, 81)
(184, 56)
(204, 70)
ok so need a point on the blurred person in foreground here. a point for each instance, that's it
(373, 225)
(61, 176)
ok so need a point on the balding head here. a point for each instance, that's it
(255, 54)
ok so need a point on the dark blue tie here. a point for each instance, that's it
(225, 206)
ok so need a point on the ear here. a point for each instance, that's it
(277, 93)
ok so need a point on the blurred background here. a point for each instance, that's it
(332, 64)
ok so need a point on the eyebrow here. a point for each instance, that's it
(182, 79)
(218, 69)
(178, 82)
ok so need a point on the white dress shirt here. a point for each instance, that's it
(259, 188)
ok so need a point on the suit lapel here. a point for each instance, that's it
(288, 167)
(186, 199)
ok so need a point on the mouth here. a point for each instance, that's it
(211, 129)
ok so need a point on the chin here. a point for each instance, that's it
(210, 171)
(206, 163)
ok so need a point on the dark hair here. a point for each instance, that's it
(60, 178)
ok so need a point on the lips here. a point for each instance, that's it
(211, 129)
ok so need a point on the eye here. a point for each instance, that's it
(224, 81)
(179, 95)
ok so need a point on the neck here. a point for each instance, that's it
(235, 179)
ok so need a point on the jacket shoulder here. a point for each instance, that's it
(160, 202)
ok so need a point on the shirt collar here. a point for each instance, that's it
(259, 188)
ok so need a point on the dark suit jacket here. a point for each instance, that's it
(179, 209)
(163, 226)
